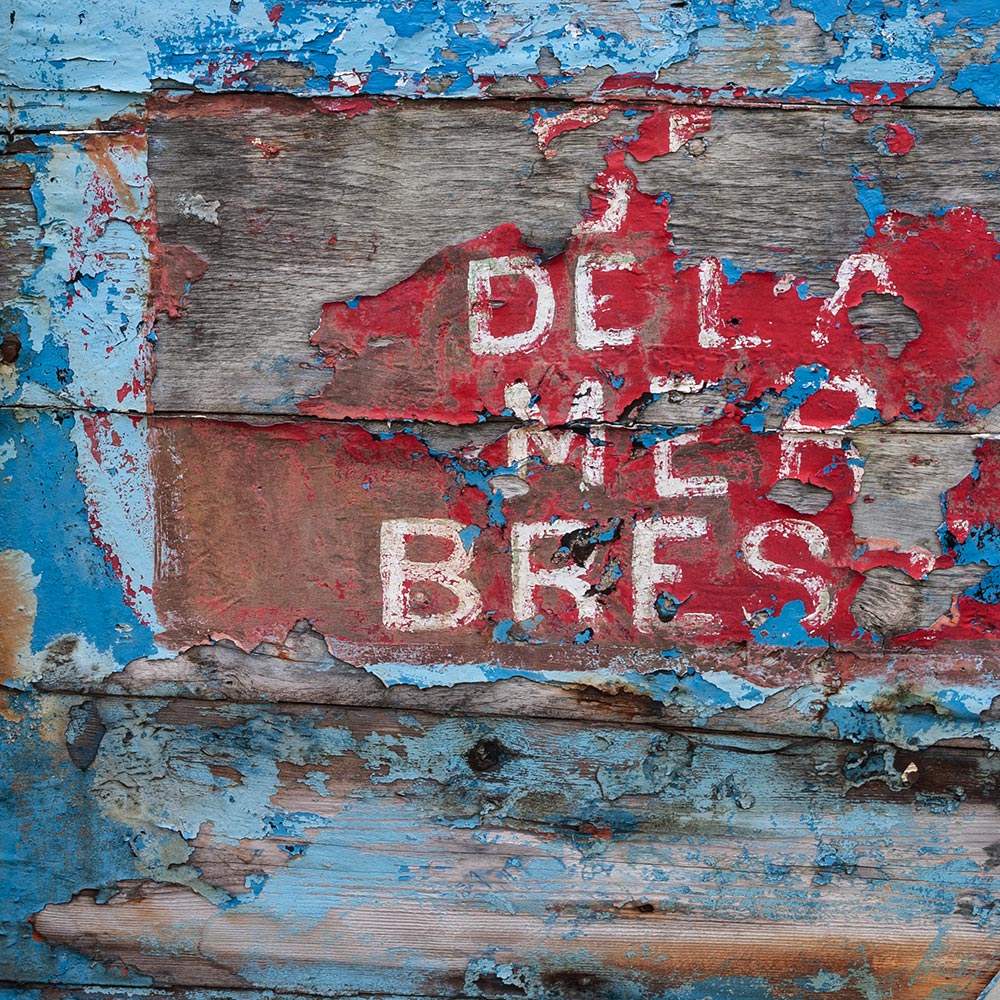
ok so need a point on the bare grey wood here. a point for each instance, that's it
(803, 498)
(886, 320)
(903, 480)
(890, 603)
(20, 254)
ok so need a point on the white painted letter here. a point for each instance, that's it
(481, 275)
(710, 323)
(399, 573)
(816, 540)
(669, 485)
(567, 578)
(554, 446)
(648, 575)
(589, 335)
(850, 268)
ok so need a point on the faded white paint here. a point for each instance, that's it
(648, 575)
(481, 274)
(816, 541)
(527, 578)
(554, 446)
(399, 574)
(589, 335)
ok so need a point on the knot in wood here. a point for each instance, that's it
(10, 348)
(489, 754)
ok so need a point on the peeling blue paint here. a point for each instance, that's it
(43, 509)
(785, 628)
(882, 51)
(565, 811)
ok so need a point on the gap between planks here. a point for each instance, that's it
(500, 424)
(737, 741)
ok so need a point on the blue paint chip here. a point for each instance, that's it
(732, 271)
(786, 628)
(468, 535)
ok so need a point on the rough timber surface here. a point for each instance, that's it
(499, 501)
(302, 848)
(833, 572)
(135, 611)
(774, 194)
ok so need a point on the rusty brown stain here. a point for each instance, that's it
(101, 149)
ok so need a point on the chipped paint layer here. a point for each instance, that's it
(746, 521)
(481, 322)
(811, 50)
(580, 507)
(624, 603)
(311, 846)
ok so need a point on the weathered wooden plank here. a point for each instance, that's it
(712, 51)
(736, 300)
(299, 848)
(914, 701)
(48, 992)
(788, 211)
(869, 613)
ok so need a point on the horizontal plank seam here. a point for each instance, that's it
(14, 129)
(595, 96)
(265, 419)
(792, 741)
(118, 989)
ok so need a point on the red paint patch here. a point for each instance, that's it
(667, 129)
(878, 92)
(348, 107)
(548, 127)
(274, 14)
(899, 138)
(175, 269)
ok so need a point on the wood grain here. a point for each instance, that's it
(20, 254)
(232, 769)
(293, 847)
